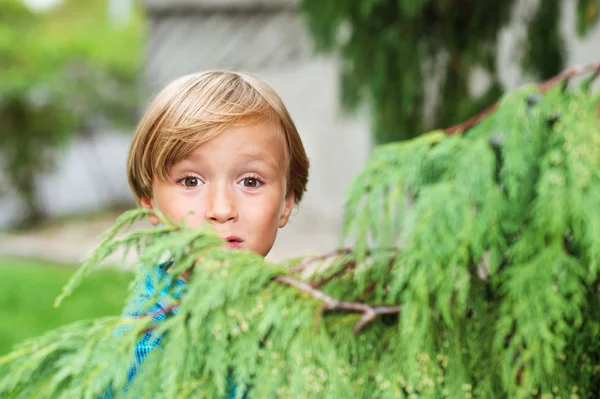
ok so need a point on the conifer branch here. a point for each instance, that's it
(338, 252)
(311, 260)
(347, 267)
(369, 312)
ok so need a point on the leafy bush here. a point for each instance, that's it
(63, 73)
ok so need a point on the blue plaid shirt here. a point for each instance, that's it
(154, 276)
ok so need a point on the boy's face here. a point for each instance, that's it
(236, 182)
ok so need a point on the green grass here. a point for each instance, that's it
(28, 289)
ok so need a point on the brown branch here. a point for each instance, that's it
(544, 87)
(469, 123)
(568, 74)
(369, 312)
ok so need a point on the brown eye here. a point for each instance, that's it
(250, 182)
(191, 182)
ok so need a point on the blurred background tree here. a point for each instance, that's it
(389, 48)
(65, 71)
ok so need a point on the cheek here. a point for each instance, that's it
(262, 223)
(264, 212)
(180, 207)
(263, 215)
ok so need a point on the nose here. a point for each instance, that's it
(221, 205)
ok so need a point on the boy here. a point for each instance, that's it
(216, 147)
(223, 146)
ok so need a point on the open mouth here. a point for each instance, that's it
(234, 242)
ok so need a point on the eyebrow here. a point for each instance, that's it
(254, 156)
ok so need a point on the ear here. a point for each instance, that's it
(148, 203)
(288, 206)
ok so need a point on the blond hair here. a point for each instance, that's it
(196, 108)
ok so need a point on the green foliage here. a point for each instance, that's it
(546, 56)
(62, 73)
(390, 48)
(28, 287)
(587, 15)
(473, 273)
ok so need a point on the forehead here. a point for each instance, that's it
(259, 142)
